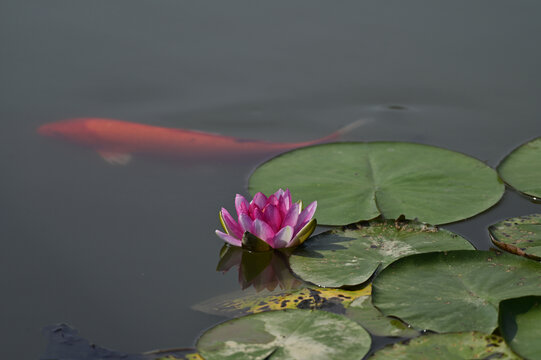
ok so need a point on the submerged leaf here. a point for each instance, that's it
(520, 235)
(454, 291)
(359, 181)
(288, 334)
(351, 256)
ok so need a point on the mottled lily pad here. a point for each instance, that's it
(351, 256)
(360, 181)
(289, 334)
(362, 311)
(520, 235)
(452, 346)
(522, 168)
(520, 325)
(454, 291)
(250, 302)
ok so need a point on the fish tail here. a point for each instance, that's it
(348, 128)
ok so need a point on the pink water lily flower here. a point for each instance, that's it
(268, 222)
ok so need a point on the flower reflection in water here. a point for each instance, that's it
(262, 270)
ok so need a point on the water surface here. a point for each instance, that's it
(121, 253)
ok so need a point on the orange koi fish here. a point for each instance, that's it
(117, 140)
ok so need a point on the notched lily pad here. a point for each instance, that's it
(362, 311)
(249, 302)
(351, 256)
(520, 235)
(520, 325)
(467, 346)
(360, 181)
(289, 334)
(454, 291)
(522, 169)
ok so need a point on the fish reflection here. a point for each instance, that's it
(260, 270)
(117, 140)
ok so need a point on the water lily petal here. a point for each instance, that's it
(303, 234)
(287, 198)
(273, 200)
(305, 216)
(228, 238)
(292, 215)
(279, 193)
(267, 222)
(263, 231)
(283, 237)
(230, 225)
(260, 200)
(256, 213)
(241, 204)
(272, 216)
(246, 222)
(284, 203)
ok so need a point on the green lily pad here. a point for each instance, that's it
(454, 291)
(522, 168)
(250, 302)
(360, 181)
(351, 256)
(288, 334)
(520, 325)
(362, 311)
(453, 346)
(520, 235)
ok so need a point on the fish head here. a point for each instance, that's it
(73, 130)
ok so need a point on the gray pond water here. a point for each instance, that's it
(122, 252)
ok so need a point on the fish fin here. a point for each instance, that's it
(349, 127)
(352, 126)
(115, 158)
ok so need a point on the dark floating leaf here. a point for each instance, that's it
(65, 343)
(522, 168)
(520, 325)
(288, 334)
(520, 235)
(454, 291)
(467, 346)
(351, 256)
(359, 181)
